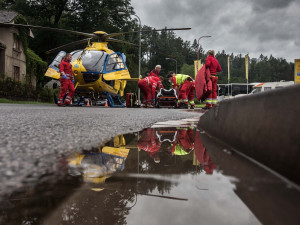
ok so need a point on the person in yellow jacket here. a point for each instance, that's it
(185, 87)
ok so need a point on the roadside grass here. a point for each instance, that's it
(5, 100)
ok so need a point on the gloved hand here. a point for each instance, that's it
(73, 81)
(64, 76)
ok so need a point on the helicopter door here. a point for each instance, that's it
(115, 67)
(53, 69)
(114, 62)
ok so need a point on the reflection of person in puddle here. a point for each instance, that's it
(149, 143)
(209, 166)
(184, 143)
(202, 156)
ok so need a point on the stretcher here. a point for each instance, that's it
(166, 98)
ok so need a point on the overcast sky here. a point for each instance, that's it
(238, 26)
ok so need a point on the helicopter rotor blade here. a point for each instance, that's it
(74, 43)
(136, 31)
(120, 41)
(49, 29)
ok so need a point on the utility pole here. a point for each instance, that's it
(140, 52)
(199, 48)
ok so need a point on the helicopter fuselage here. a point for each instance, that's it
(96, 69)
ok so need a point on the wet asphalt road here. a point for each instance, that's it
(35, 137)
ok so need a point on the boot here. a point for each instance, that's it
(183, 106)
(150, 106)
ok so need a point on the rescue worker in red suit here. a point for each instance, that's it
(150, 143)
(185, 88)
(158, 80)
(66, 80)
(214, 67)
(148, 86)
(155, 73)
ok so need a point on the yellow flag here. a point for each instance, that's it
(297, 71)
(246, 65)
(197, 66)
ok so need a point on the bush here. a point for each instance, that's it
(16, 90)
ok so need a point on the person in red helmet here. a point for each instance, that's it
(66, 80)
(148, 86)
(214, 67)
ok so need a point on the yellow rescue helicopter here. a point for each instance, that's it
(97, 69)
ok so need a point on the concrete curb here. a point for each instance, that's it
(264, 126)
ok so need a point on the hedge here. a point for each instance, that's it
(16, 90)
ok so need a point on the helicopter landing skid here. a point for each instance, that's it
(111, 102)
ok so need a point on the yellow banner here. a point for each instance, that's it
(297, 71)
(246, 65)
(197, 66)
(228, 65)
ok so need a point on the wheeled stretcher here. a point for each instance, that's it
(166, 98)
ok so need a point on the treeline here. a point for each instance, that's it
(262, 69)
(94, 15)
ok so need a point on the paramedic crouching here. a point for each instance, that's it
(185, 87)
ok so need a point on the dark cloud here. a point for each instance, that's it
(265, 5)
(238, 26)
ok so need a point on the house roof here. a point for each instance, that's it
(7, 16)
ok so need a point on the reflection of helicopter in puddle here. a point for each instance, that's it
(98, 70)
(97, 166)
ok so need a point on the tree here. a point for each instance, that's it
(187, 69)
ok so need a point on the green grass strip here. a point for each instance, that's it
(5, 100)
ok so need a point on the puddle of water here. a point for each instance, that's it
(170, 173)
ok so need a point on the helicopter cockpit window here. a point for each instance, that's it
(76, 54)
(55, 63)
(93, 61)
(115, 62)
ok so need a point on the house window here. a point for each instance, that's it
(16, 43)
(16, 73)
